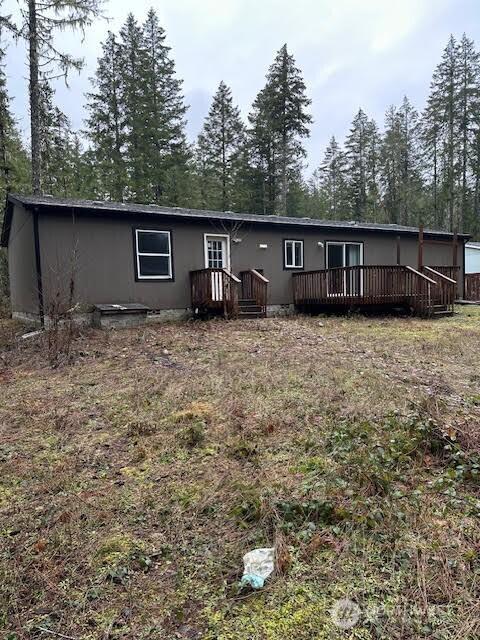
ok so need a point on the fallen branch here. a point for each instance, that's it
(55, 633)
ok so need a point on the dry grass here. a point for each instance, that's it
(134, 478)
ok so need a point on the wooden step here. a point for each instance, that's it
(250, 308)
(246, 315)
(246, 302)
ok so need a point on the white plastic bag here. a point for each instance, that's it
(258, 565)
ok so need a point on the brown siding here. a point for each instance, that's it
(21, 263)
(102, 251)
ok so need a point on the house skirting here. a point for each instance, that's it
(155, 317)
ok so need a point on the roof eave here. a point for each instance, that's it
(72, 206)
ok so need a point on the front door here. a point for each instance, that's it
(217, 256)
(341, 282)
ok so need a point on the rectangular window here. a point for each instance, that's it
(154, 254)
(293, 254)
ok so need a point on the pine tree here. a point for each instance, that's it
(356, 150)
(443, 114)
(105, 124)
(220, 146)
(372, 169)
(469, 107)
(262, 157)
(280, 122)
(14, 165)
(401, 165)
(163, 142)
(391, 166)
(40, 21)
(59, 149)
(132, 90)
(331, 181)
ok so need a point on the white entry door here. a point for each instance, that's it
(217, 256)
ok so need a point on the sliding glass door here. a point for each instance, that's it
(344, 282)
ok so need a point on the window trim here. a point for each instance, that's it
(224, 236)
(138, 274)
(293, 267)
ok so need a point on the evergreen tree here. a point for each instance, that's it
(163, 143)
(443, 114)
(14, 165)
(356, 150)
(262, 157)
(220, 146)
(331, 183)
(132, 98)
(469, 108)
(372, 168)
(279, 122)
(391, 165)
(60, 147)
(401, 165)
(105, 124)
(40, 21)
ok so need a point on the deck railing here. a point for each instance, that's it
(445, 291)
(365, 285)
(255, 287)
(214, 289)
(472, 286)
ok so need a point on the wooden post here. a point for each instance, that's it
(420, 247)
(455, 249)
(398, 250)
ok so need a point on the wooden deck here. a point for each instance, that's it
(217, 291)
(427, 292)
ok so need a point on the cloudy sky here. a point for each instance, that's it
(353, 53)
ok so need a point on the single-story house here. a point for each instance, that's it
(81, 253)
(472, 257)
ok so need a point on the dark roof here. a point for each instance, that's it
(107, 207)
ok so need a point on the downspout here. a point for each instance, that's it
(38, 265)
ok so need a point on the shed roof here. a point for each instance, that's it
(42, 203)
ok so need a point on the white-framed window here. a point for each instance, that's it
(153, 254)
(293, 254)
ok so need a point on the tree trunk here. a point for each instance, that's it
(224, 161)
(34, 89)
(283, 204)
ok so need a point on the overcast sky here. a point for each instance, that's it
(353, 53)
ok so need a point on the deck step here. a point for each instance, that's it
(442, 314)
(246, 302)
(250, 308)
(246, 315)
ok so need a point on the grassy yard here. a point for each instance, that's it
(135, 475)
